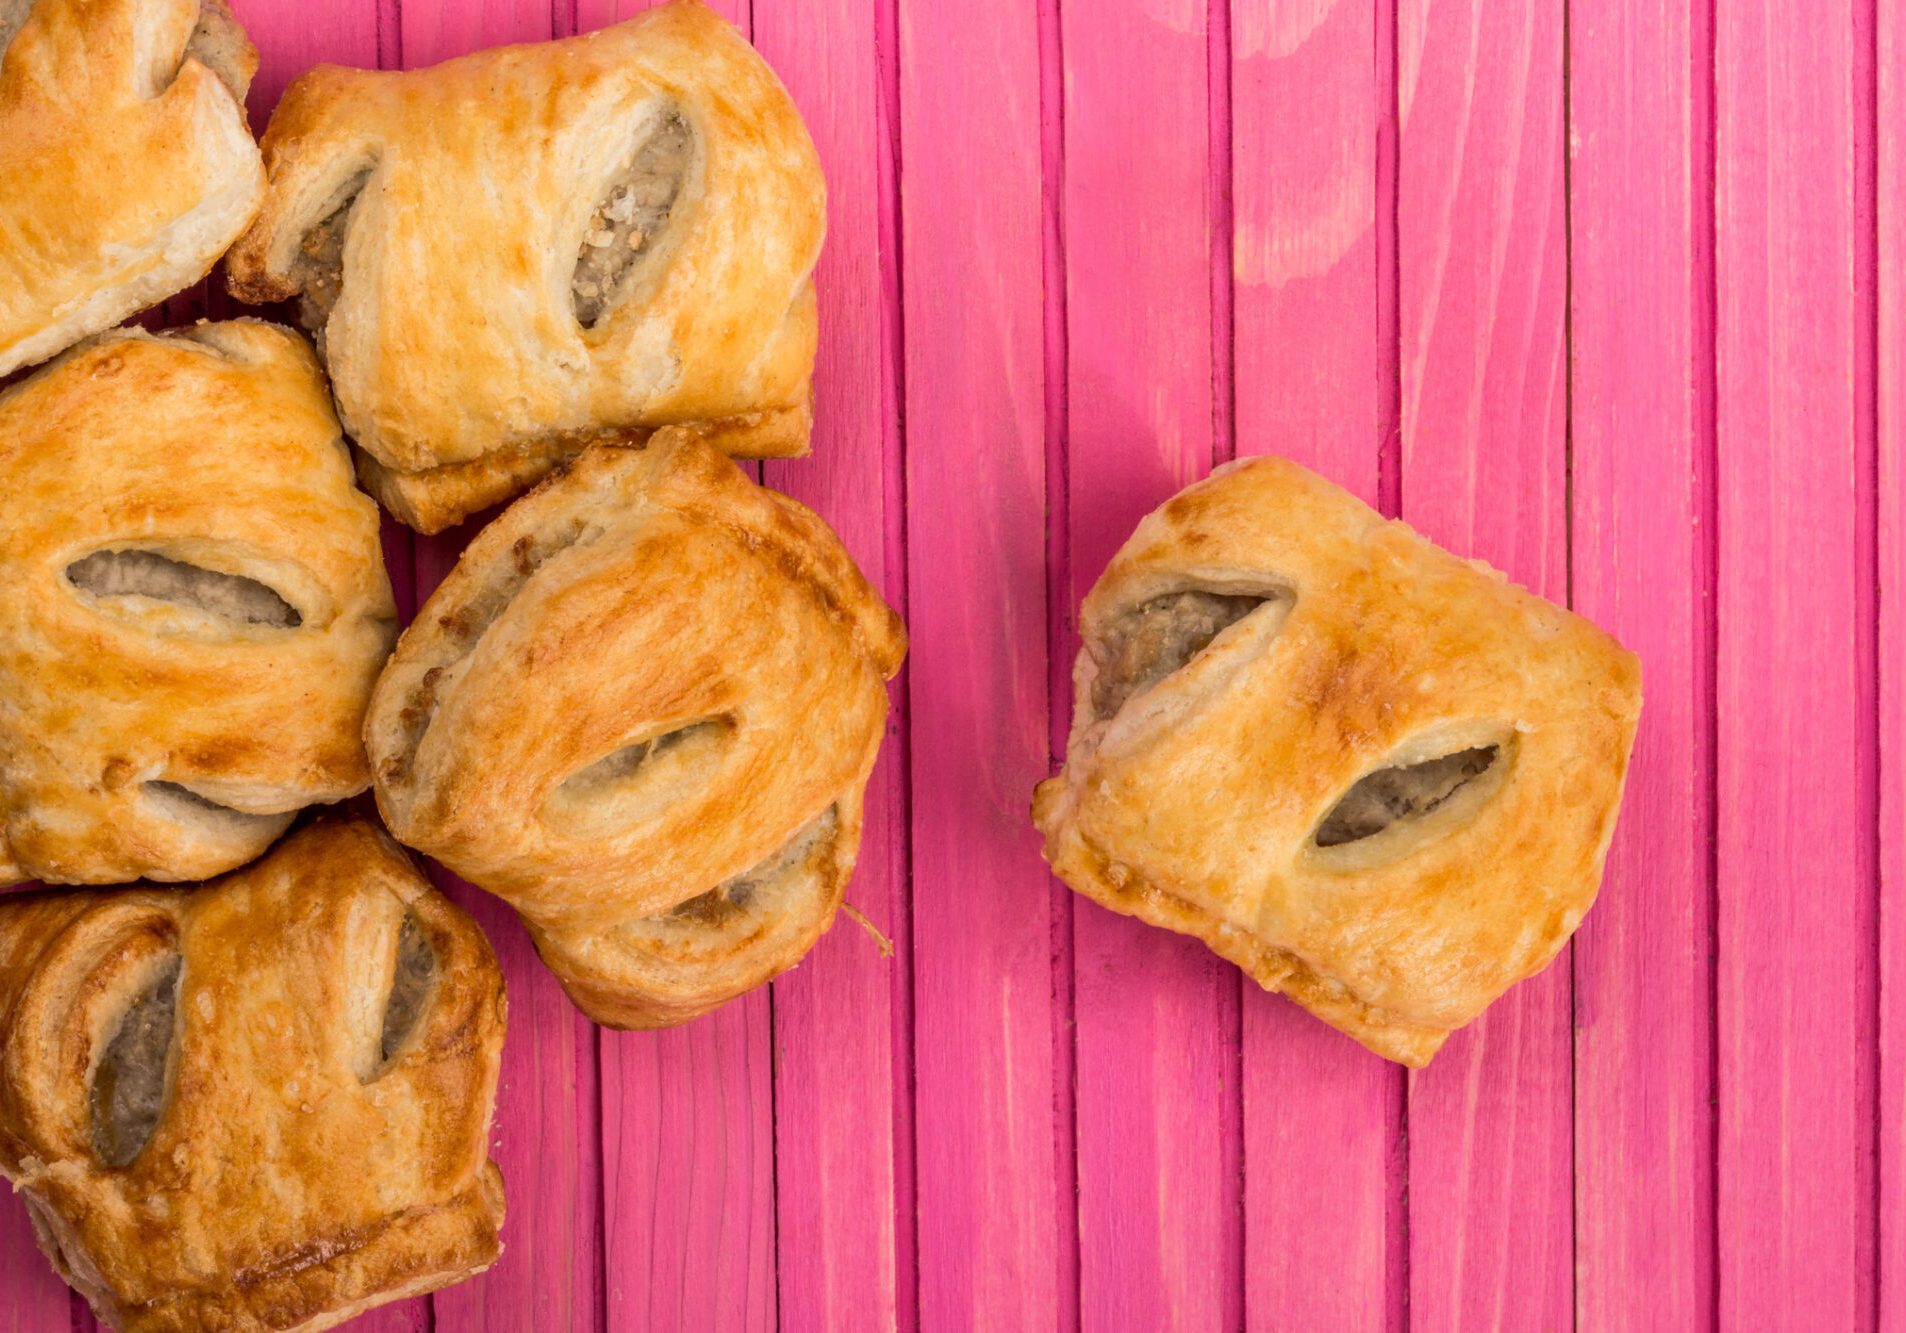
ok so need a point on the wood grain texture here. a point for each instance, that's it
(1796, 1121)
(992, 1208)
(1641, 327)
(688, 1158)
(1890, 395)
(842, 1034)
(1160, 1227)
(1482, 268)
(1322, 1150)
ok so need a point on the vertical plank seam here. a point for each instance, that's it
(1866, 548)
(1220, 223)
(889, 166)
(1389, 390)
(1220, 210)
(1058, 493)
(1704, 47)
(1389, 277)
(1568, 573)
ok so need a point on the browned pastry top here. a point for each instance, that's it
(193, 605)
(1379, 777)
(509, 254)
(126, 167)
(649, 680)
(263, 1103)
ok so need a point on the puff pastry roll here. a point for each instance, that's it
(517, 252)
(126, 167)
(1378, 778)
(260, 1104)
(643, 708)
(193, 605)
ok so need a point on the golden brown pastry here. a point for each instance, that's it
(259, 1104)
(126, 167)
(1378, 778)
(517, 252)
(643, 708)
(193, 605)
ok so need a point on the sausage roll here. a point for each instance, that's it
(517, 252)
(259, 1104)
(193, 605)
(1378, 778)
(643, 709)
(126, 167)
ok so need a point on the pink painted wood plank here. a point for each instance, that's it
(1482, 273)
(688, 1149)
(548, 1105)
(995, 1217)
(1795, 1044)
(292, 38)
(1891, 583)
(688, 1122)
(436, 30)
(1160, 1226)
(842, 1023)
(1642, 328)
(1322, 1165)
(593, 14)
(545, 1137)
(32, 1298)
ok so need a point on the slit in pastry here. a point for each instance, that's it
(228, 597)
(320, 265)
(757, 887)
(626, 224)
(129, 1085)
(181, 803)
(410, 989)
(1150, 641)
(1402, 792)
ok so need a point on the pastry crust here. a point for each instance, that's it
(172, 505)
(643, 708)
(126, 166)
(1210, 798)
(456, 342)
(295, 1174)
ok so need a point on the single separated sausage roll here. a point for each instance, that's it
(193, 605)
(1378, 778)
(515, 253)
(643, 709)
(126, 167)
(259, 1104)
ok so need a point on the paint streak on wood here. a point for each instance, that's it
(994, 1215)
(1796, 1133)
(1482, 273)
(1641, 327)
(1322, 1161)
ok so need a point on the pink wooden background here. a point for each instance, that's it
(1612, 294)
